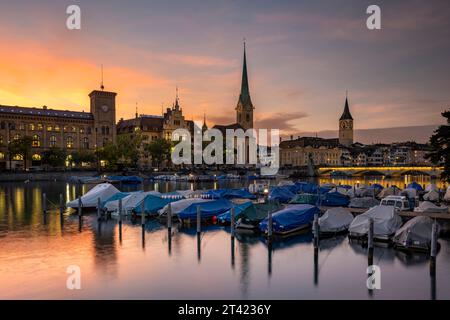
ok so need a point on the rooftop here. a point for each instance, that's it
(45, 112)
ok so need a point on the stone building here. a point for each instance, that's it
(296, 152)
(346, 126)
(48, 128)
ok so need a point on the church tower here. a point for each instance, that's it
(244, 108)
(346, 126)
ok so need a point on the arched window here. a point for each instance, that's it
(16, 137)
(103, 129)
(18, 157)
(86, 142)
(247, 117)
(52, 141)
(36, 157)
(31, 126)
(36, 141)
(69, 142)
(107, 130)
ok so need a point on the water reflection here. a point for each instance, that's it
(145, 266)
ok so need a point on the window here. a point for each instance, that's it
(57, 128)
(40, 126)
(81, 130)
(31, 127)
(18, 157)
(247, 117)
(52, 141)
(2, 125)
(36, 157)
(16, 137)
(49, 128)
(69, 142)
(74, 129)
(107, 130)
(21, 126)
(176, 122)
(36, 141)
(89, 130)
(1, 139)
(103, 129)
(86, 143)
(2, 156)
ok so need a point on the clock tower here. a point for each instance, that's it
(103, 109)
(244, 108)
(346, 126)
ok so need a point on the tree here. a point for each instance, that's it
(22, 148)
(54, 157)
(129, 148)
(159, 150)
(440, 143)
(80, 156)
(110, 154)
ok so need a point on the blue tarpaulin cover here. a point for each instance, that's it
(238, 210)
(153, 203)
(291, 217)
(281, 194)
(124, 179)
(334, 199)
(208, 209)
(415, 185)
(117, 196)
(231, 194)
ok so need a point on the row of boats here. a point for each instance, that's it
(288, 216)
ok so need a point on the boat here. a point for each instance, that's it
(180, 205)
(330, 199)
(366, 202)
(431, 186)
(86, 180)
(415, 235)
(386, 222)
(230, 194)
(129, 202)
(102, 191)
(281, 194)
(208, 209)
(429, 207)
(124, 179)
(292, 219)
(447, 195)
(432, 196)
(152, 204)
(258, 187)
(401, 203)
(391, 191)
(334, 221)
(414, 185)
(305, 198)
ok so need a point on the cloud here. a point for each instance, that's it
(282, 121)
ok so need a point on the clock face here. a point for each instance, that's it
(105, 108)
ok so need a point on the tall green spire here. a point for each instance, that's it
(244, 97)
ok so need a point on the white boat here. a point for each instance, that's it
(400, 203)
(415, 234)
(431, 187)
(432, 196)
(391, 191)
(335, 220)
(180, 205)
(429, 207)
(386, 222)
(102, 191)
(128, 203)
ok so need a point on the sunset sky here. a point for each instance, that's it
(302, 57)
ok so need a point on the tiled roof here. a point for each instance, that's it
(310, 141)
(46, 112)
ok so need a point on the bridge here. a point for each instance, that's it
(382, 171)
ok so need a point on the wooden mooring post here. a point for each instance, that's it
(120, 220)
(199, 220)
(61, 208)
(316, 230)
(370, 236)
(44, 203)
(232, 223)
(169, 218)
(433, 251)
(99, 209)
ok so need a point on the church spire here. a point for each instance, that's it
(244, 97)
(346, 115)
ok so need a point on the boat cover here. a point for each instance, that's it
(334, 199)
(447, 195)
(231, 194)
(431, 195)
(208, 209)
(427, 206)
(416, 232)
(281, 194)
(305, 198)
(180, 205)
(414, 185)
(409, 192)
(291, 217)
(153, 203)
(335, 220)
(249, 211)
(129, 202)
(103, 191)
(366, 202)
(431, 186)
(391, 191)
(125, 179)
(117, 196)
(385, 221)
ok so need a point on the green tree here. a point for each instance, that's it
(110, 154)
(440, 143)
(80, 156)
(22, 148)
(54, 157)
(159, 150)
(129, 148)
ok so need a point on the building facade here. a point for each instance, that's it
(48, 128)
(346, 126)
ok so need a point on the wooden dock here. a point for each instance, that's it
(406, 214)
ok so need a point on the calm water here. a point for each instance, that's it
(34, 256)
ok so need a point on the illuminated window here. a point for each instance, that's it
(86, 143)
(21, 126)
(31, 127)
(36, 157)
(18, 157)
(49, 128)
(36, 141)
(57, 128)
(16, 137)
(1, 139)
(52, 141)
(74, 129)
(40, 126)
(69, 142)
(2, 156)
(81, 130)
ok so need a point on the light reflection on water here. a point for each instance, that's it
(34, 255)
